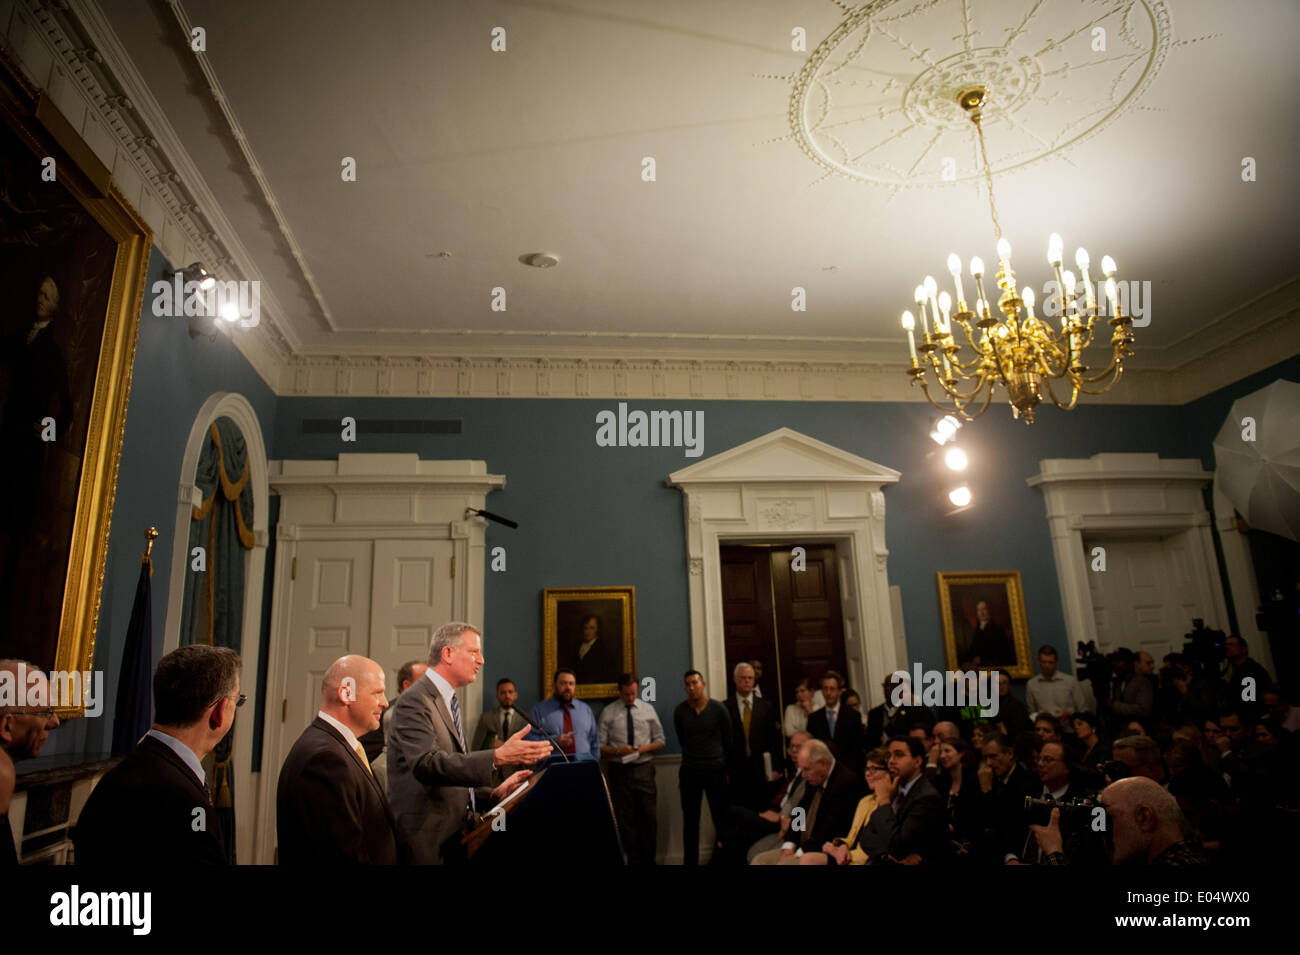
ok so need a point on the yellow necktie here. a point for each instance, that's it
(362, 753)
(744, 721)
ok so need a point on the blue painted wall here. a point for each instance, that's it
(602, 516)
(174, 375)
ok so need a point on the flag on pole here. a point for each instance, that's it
(131, 720)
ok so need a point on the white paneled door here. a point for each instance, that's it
(1146, 598)
(330, 617)
(412, 596)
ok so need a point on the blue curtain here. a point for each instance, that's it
(213, 608)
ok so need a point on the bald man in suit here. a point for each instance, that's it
(330, 809)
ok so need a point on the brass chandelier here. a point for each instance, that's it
(1022, 354)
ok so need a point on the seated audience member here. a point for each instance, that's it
(1027, 746)
(929, 745)
(1193, 734)
(1096, 751)
(1202, 794)
(23, 731)
(847, 851)
(1004, 784)
(888, 719)
(153, 808)
(1048, 728)
(1146, 825)
(1142, 757)
(1277, 706)
(330, 809)
(1054, 775)
(796, 715)
(1012, 715)
(838, 726)
(831, 794)
(754, 832)
(958, 784)
(909, 825)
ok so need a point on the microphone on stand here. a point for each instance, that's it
(533, 723)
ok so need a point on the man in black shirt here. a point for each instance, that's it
(703, 729)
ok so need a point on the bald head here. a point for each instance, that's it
(946, 730)
(352, 692)
(1145, 819)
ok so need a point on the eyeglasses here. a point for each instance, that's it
(238, 703)
(1042, 760)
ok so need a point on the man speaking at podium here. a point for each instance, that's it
(436, 785)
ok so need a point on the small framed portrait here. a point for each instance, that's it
(984, 626)
(591, 631)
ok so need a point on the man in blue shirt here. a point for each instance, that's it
(570, 721)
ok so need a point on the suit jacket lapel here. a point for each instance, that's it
(442, 710)
(337, 737)
(166, 753)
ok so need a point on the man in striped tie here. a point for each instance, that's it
(329, 808)
(436, 784)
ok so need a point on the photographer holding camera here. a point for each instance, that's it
(1143, 826)
(1059, 793)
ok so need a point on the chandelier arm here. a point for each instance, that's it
(967, 366)
(966, 397)
(1074, 396)
(1119, 370)
(1103, 373)
(959, 408)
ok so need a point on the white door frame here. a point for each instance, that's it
(788, 486)
(368, 497)
(237, 408)
(1125, 495)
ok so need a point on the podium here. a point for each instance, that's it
(565, 813)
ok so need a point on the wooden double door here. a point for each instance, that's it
(784, 612)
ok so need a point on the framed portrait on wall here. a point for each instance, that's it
(73, 269)
(591, 631)
(983, 615)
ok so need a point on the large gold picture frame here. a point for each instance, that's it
(1004, 626)
(100, 385)
(566, 620)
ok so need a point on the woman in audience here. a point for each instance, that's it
(796, 714)
(1190, 733)
(958, 784)
(846, 851)
(1096, 751)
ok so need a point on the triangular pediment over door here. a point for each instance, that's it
(787, 485)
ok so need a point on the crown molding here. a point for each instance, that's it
(69, 48)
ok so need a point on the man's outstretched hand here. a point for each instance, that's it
(517, 751)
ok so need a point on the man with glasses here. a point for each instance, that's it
(437, 786)
(1054, 774)
(23, 731)
(153, 809)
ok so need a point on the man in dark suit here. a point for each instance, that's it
(153, 809)
(592, 656)
(329, 807)
(895, 718)
(23, 731)
(755, 734)
(987, 642)
(1057, 785)
(910, 824)
(839, 725)
(1004, 784)
(830, 797)
(436, 785)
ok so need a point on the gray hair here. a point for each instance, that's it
(449, 635)
(735, 671)
(816, 751)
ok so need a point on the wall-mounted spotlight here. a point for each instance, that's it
(945, 429)
(195, 272)
(492, 517)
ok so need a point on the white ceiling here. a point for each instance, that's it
(489, 155)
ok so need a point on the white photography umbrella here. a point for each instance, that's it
(1262, 477)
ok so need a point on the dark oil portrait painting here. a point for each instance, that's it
(591, 631)
(72, 265)
(984, 621)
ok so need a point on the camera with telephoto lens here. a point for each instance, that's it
(1076, 814)
(1203, 649)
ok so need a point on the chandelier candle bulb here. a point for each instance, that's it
(919, 297)
(1054, 247)
(945, 306)
(1108, 266)
(1112, 296)
(954, 269)
(908, 324)
(1027, 295)
(1004, 254)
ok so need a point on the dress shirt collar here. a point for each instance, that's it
(1052, 679)
(741, 700)
(440, 683)
(833, 709)
(1057, 794)
(906, 787)
(349, 737)
(186, 754)
(830, 772)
